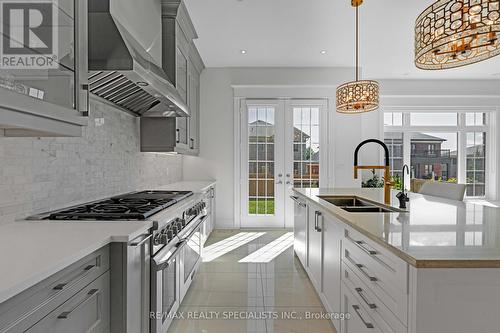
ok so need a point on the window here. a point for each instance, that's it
(475, 164)
(444, 146)
(433, 119)
(393, 119)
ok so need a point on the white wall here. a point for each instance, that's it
(217, 124)
(42, 174)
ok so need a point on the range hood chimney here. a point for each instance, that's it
(123, 72)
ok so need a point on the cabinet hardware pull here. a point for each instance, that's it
(86, 271)
(141, 242)
(192, 144)
(177, 136)
(360, 268)
(367, 324)
(296, 199)
(316, 222)
(363, 297)
(360, 245)
(67, 314)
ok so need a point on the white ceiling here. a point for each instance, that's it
(291, 33)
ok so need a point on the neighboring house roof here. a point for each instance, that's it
(417, 136)
(260, 128)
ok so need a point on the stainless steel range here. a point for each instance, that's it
(152, 273)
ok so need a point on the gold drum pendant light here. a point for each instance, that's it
(361, 95)
(454, 33)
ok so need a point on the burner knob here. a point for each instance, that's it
(170, 234)
(164, 239)
(157, 240)
(174, 229)
(179, 226)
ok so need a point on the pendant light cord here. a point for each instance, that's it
(357, 44)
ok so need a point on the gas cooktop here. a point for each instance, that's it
(130, 206)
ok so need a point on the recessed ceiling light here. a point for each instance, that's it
(142, 83)
(322, 51)
(243, 51)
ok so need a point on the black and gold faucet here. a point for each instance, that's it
(387, 175)
(402, 196)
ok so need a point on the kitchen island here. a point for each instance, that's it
(431, 268)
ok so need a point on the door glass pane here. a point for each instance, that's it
(434, 156)
(261, 130)
(38, 78)
(168, 293)
(476, 164)
(306, 147)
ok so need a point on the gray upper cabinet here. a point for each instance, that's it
(183, 66)
(50, 97)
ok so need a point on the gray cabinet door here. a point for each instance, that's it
(194, 107)
(86, 312)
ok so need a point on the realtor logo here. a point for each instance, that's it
(29, 34)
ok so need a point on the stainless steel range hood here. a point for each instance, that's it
(123, 72)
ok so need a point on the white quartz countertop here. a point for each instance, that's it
(31, 251)
(434, 233)
(197, 186)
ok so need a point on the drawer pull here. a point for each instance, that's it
(360, 268)
(360, 245)
(371, 278)
(367, 324)
(296, 199)
(86, 271)
(90, 295)
(360, 293)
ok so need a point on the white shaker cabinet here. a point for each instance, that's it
(332, 238)
(300, 230)
(315, 251)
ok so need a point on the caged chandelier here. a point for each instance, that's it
(361, 95)
(454, 33)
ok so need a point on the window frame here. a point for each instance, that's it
(461, 129)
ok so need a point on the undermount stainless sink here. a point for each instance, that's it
(353, 204)
(346, 201)
(368, 209)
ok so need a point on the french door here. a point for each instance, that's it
(280, 149)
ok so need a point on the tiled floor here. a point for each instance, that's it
(252, 296)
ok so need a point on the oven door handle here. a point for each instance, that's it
(165, 262)
(198, 223)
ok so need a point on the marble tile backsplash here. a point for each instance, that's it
(42, 174)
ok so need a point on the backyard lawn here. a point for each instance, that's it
(258, 206)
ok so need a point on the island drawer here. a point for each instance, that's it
(386, 266)
(362, 319)
(21, 311)
(392, 309)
